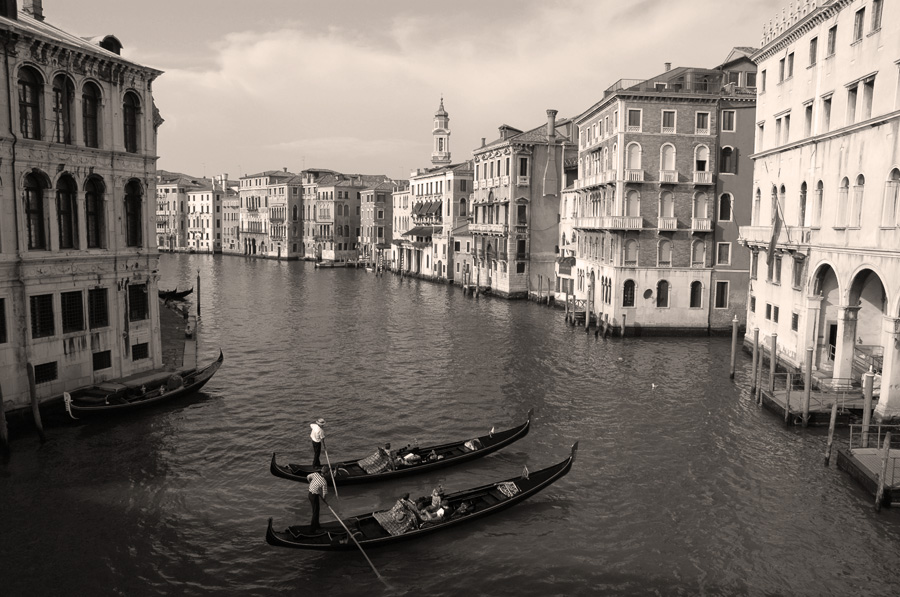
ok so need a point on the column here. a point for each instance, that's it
(846, 341)
(810, 337)
(889, 402)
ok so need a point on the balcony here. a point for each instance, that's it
(703, 178)
(701, 224)
(595, 223)
(632, 175)
(609, 176)
(667, 223)
(521, 256)
(496, 229)
(495, 182)
(504, 180)
(788, 235)
(523, 181)
(698, 264)
(623, 222)
(521, 228)
(474, 185)
(668, 176)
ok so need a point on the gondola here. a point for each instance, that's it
(175, 295)
(110, 397)
(417, 459)
(382, 527)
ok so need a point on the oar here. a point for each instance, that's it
(330, 470)
(349, 534)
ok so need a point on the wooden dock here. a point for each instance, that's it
(850, 406)
(864, 465)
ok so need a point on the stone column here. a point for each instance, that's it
(810, 337)
(889, 402)
(846, 341)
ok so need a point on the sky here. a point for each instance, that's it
(353, 85)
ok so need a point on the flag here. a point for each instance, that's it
(776, 230)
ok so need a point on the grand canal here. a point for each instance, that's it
(687, 488)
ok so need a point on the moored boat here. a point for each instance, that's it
(382, 527)
(411, 460)
(111, 397)
(175, 295)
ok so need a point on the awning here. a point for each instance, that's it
(564, 266)
(421, 231)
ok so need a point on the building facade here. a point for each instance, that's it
(256, 225)
(171, 210)
(78, 244)
(376, 223)
(825, 230)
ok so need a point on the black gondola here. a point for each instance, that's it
(112, 397)
(382, 527)
(421, 459)
(175, 295)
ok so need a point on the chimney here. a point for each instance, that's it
(551, 124)
(482, 141)
(34, 8)
(668, 66)
(285, 169)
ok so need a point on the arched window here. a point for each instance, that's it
(801, 216)
(633, 203)
(34, 212)
(628, 294)
(66, 212)
(662, 294)
(131, 110)
(891, 199)
(820, 198)
(725, 207)
(615, 157)
(757, 201)
(667, 205)
(294, 213)
(728, 161)
(701, 158)
(696, 295)
(840, 219)
(90, 114)
(667, 157)
(63, 109)
(773, 205)
(856, 206)
(30, 91)
(698, 254)
(133, 220)
(93, 213)
(664, 256)
(700, 205)
(462, 207)
(631, 253)
(633, 157)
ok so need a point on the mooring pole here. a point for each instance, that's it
(759, 371)
(734, 340)
(4, 432)
(807, 385)
(787, 399)
(198, 294)
(885, 457)
(567, 304)
(756, 359)
(35, 410)
(622, 329)
(831, 433)
(773, 361)
(868, 383)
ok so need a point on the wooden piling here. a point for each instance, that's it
(831, 433)
(758, 396)
(35, 410)
(198, 294)
(885, 457)
(587, 308)
(773, 360)
(4, 432)
(567, 305)
(540, 288)
(477, 282)
(755, 365)
(622, 329)
(787, 399)
(807, 389)
(868, 382)
(734, 340)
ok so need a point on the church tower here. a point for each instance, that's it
(440, 153)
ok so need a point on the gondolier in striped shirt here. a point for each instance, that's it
(318, 487)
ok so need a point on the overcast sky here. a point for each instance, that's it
(353, 85)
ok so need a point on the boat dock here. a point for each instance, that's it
(867, 458)
(785, 395)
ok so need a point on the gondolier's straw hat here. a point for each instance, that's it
(320, 422)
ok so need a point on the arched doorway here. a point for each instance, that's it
(861, 337)
(826, 291)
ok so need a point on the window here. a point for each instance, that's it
(66, 213)
(3, 338)
(34, 212)
(813, 50)
(662, 294)
(668, 121)
(133, 214)
(138, 304)
(807, 120)
(30, 91)
(776, 276)
(664, 257)
(817, 213)
(768, 311)
(130, 117)
(795, 321)
(72, 308)
(856, 205)
(520, 268)
(790, 65)
(877, 6)
(891, 199)
(701, 159)
(840, 220)
(754, 264)
(798, 274)
(63, 109)
(628, 294)
(760, 132)
(775, 313)
(702, 123)
(667, 158)
(801, 216)
(140, 351)
(781, 70)
(696, 295)
(462, 183)
(633, 157)
(98, 309)
(634, 121)
(752, 304)
(631, 253)
(728, 161)
(723, 254)
(832, 41)
(852, 92)
(868, 92)
(728, 121)
(762, 87)
(750, 79)
(858, 21)
(721, 295)
(42, 324)
(826, 114)
(698, 254)
(45, 372)
(787, 128)
(102, 360)
(523, 166)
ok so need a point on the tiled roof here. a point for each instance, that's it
(535, 135)
(269, 173)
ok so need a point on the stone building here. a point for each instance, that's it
(171, 210)
(825, 230)
(255, 230)
(376, 223)
(663, 173)
(519, 178)
(231, 220)
(204, 214)
(78, 245)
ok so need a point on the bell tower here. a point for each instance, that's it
(440, 153)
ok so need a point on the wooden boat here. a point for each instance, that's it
(117, 397)
(349, 472)
(175, 295)
(381, 527)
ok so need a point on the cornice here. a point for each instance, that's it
(799, 29)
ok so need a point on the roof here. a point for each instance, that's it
(382, 186)
(536, 135)
(269, 173)
(421, 231)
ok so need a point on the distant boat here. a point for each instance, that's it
(175, 295)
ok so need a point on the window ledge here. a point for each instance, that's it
(873, 32)
(811, 65)
(856, 42)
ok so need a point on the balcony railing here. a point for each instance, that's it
(668, 130)
(474, 185)
(667, 223)
(661, 263)
(595, 223)
(495, 182)
(623, 222)
(703, 177)
(698, 264)
(630, 263)
(634, 175)
(504, 180)
(668, 176)
(521, 256)
(500, 229)
(609, 176)
(701, 224)
(521, 228)
(522, 181)
(788, 235)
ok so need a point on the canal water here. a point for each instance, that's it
(686, 488)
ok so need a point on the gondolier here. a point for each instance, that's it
(317, 435)
(317, 488)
